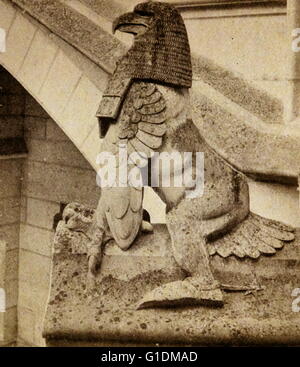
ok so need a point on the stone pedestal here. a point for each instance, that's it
(258, 299)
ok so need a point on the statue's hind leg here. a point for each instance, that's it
(189, 251)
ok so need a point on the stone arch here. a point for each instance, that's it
(64, 82)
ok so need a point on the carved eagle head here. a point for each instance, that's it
(161, 50)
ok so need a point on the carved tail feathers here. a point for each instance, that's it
(254, 237)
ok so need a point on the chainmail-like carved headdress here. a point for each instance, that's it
(161, 54)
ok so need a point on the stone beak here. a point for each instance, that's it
(132, 23)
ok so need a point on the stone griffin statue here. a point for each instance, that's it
(146, 108)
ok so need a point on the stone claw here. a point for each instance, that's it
(146, 227)
(93, 265)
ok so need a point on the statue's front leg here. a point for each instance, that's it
(99, 235)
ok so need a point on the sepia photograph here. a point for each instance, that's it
(149, 177)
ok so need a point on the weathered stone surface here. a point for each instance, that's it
(81, 116)
(79, 184)
(257, 310)
(238, 90)
(10, 234)
(11, 126)
(60, 83)
(36, 239)
(10, 178)
(20, 36)
(275, 201)
(9, 210)
(35, 127)
(56, 152)
(108, 10)
(72, 27)
(34, 109)
(13, 146)
(277, 151)
(8, 15)
(33, 60)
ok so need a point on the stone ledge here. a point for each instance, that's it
(266, 154)
(107, 313)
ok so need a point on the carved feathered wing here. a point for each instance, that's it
(255, 236)
(142, 125)
(140, 128)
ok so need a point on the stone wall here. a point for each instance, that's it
(32, 190)
(229, 38)
(54, 173)
(12, 99)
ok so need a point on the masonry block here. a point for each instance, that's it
(56, 152)
(29, 331)
(275, 201)
(10, 324)
(8, 319)
(9, 210)
(11, 290)
(33, 296)
(38, 61)
(23, 209)
(11, 126)
(3, 250)
(54, 132)
(41, 213)
(35, 127)
(60, 184)
(36, 239)
(59, 85)
(11, 265)
(18, 42)
(34, 268)
(7, 15)
(79, 117)
(26, 325)
(10, 179)
(91, 146)
(10, 234)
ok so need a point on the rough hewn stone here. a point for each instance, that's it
(258, 307)
(275, 157)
